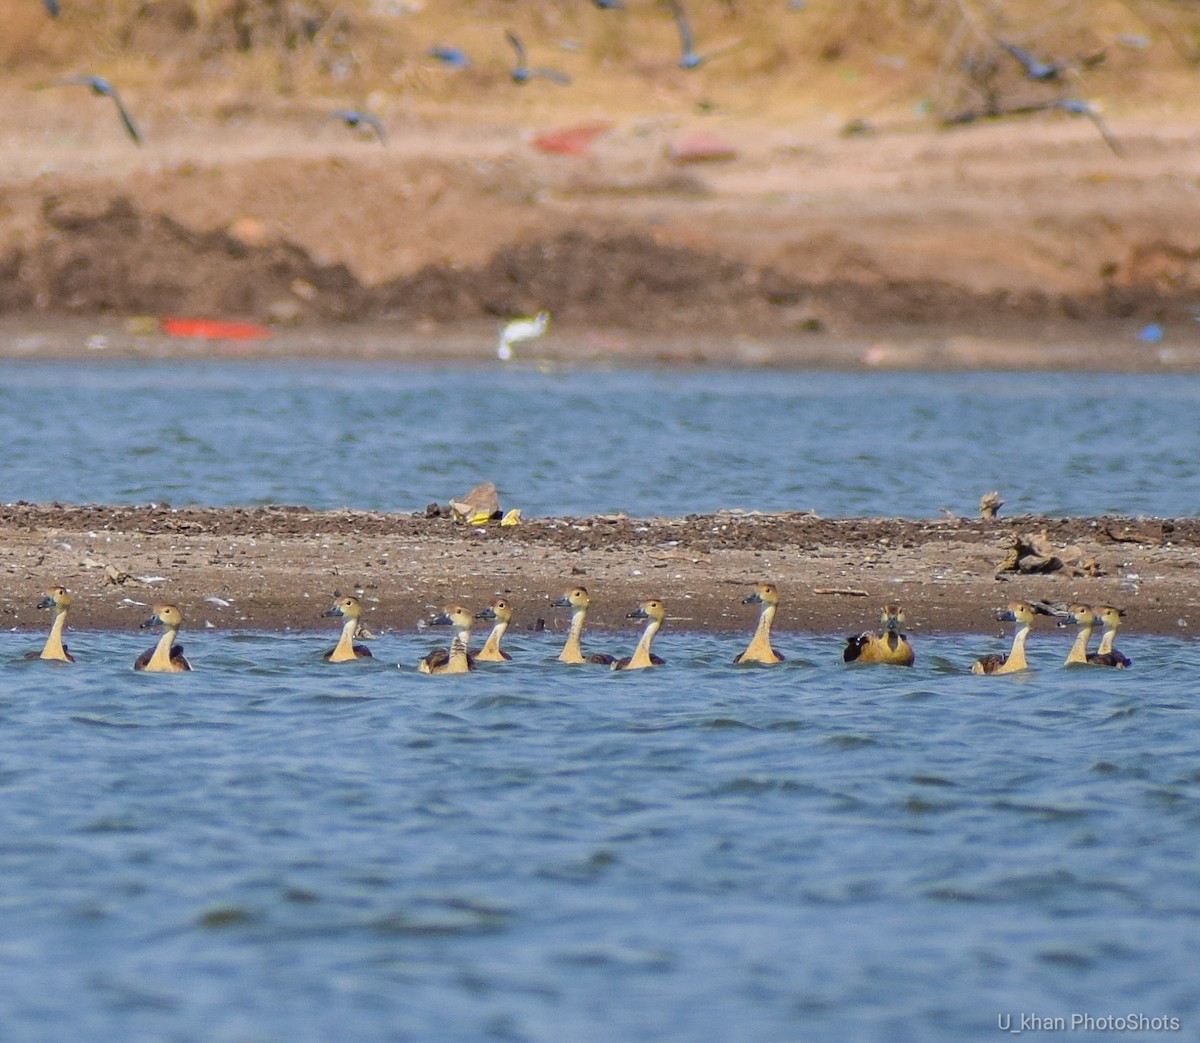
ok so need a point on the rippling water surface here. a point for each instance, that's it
(570, 442)
(273, 848)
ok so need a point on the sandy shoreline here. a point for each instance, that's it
(1076, 348)
(277, 568)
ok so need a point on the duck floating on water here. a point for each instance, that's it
(890, 646)
(58, 599)
(1083, 617)
(491, 652)
(759, 650)
(577, 600)
(349, 608)
(1107, 654)
(456, 659)
(654, 612)
(1022, 614)
(166, 656)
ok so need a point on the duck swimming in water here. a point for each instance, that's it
(1021, 613)
(759, 650)
(491, 652)
(654, 612)
(1107, 654)
(350, 609)
(889, 646)
(58, 599)
(1083, 617)
(577, 600)
(455, 659)
(166, 656)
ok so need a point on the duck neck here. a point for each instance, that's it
(641, 654)
(345, 645)
(54, 643)
(459, 661)
(1078, 653)
(760, 643)
(1016, 658)
(161, 660)
(491, 647)
(572, 649)
(1107, 638)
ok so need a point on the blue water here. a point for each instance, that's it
(276, 849)
(272, 848)
(573, 442)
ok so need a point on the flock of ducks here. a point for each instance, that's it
(889, 646)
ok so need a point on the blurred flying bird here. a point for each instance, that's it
(519, 330)
(609, 5)
(451, 57)
(1034, 68)
(1079, 107)
(521, 73)
(353, 118)
(51, 7)
(99, 85)
(688, 58)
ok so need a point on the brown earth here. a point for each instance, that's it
(915, 241)
(279, 567)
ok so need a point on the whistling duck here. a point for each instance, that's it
(501, 611)
(1107, 654)
(346, 650)
(166, 656)
(577, 600)
(759, 650)
(654, 612)
(889, 646)
(58, 599)
(1083, 617)
(1021, 613)
(455, 659)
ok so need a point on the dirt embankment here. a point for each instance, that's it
(247, 200)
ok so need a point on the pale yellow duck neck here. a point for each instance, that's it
(641, 655)
(760, 644)
(572, 649)
(458, 662)
(161, 659)
(1016, 658)
(1107, 638)
(491, 647)
(1079, 652)
(54, 642)
(345, 647)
